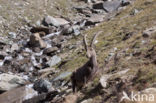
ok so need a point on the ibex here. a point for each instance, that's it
(85, 73)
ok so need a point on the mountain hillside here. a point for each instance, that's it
(41, 45)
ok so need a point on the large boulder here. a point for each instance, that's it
(49, 20)
(10, 81)
(108, 6)
(18, 95)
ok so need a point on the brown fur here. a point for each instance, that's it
(85, 73)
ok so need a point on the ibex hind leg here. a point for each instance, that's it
(73, 82)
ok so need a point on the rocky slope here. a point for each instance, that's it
(41, 45)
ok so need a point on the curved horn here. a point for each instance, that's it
(85, 43)
(94, 37)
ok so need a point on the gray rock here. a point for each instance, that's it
(50, 51)
(10, 81)
(18, 95)
(110, 6)
(65, 30)
(54, 60)
(60, 81)
(62, 76)
(94, 19)
(14, 47)
(38, 23)
(42, 85)
(49, 20)
(5, 41)
(12, 34)
(125, 2)
(76, 30)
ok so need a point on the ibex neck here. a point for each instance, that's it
(93, 58)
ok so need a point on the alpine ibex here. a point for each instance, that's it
(85, 73)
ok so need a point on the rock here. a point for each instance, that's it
(14, 47)
(54, 60)
(59, 41)
(2, 44)
(65, 30)
(50, 51)
(84, 10)
(151, 90)
(98, 5)
(2, 57)
(136, 53)
(42, 85)
(87, 101)
(62, 76)
(110, 6)
(7, 60)
(70, 98)
(94, 19)
(5, 40)
(36, 49)
(35, 41)
(149, 31)
(41, 29)
(76, 30)
(22, 43)
(123, 72)
(12, 34)
(87, 1)
(133, 12)
(46, 70)
(38, 23)
(127, 35)
(18, 95)
(60, 80)
(70, 47)
(103, 80)
(10, 81)
(49, 20)
(125, 2)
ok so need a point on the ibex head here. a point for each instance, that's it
(89, 48)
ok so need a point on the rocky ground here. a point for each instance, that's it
(41, 44)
